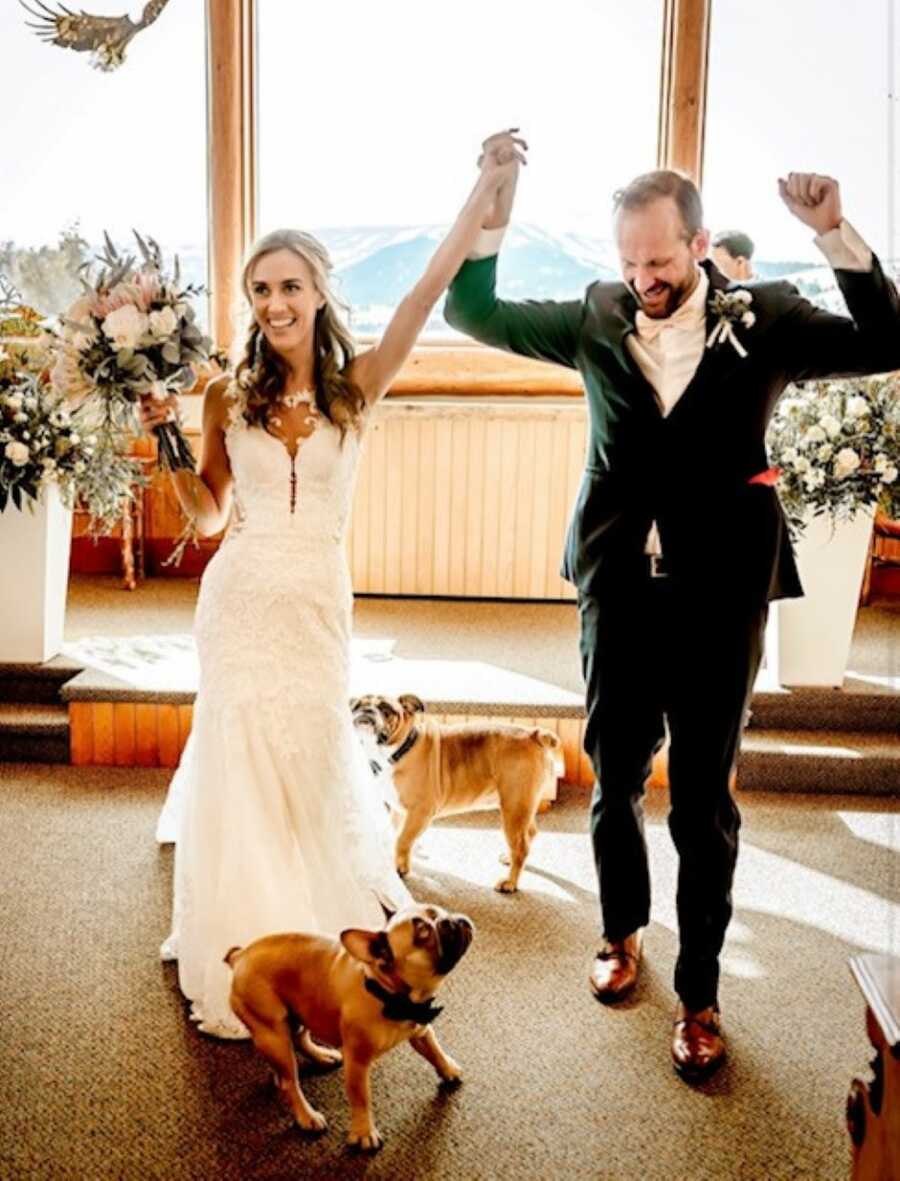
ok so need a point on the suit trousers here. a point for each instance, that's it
(654, 652)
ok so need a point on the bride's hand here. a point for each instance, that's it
(154, 411)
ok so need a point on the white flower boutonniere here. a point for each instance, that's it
(732, 307)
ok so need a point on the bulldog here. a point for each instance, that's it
(438, 769)
(366, 993)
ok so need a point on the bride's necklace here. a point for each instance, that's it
(297, 398)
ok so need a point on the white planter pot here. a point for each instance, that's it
(808, 640)
(34, 578)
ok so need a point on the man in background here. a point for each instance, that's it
(731, 252)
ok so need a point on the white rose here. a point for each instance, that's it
(824, 452)
(801, 464)
(846, 463)
(125, 326)
(17, 453)
(20, 417)
(881, 462)
(889, 475)
(814, 479)
(789, 455)
(743, 296)
(79, 467)
(830, 425)
(164, 322)
(748, 319)
(857, 407)
(14, 401)
(815, 434)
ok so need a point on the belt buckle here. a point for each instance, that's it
(657, 566)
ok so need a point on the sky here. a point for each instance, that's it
(373, 114)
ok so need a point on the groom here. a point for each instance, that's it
(677, 542)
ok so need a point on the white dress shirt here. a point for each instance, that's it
(667, 351)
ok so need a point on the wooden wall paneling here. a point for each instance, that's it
(409, 503)
(474, 576)
(443, 471)
(167, 723)
(425, 514)
(81, 734)
(104, 734)
(146, 744)
(124, 728)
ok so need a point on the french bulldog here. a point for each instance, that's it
(439, 769)
(365, 993)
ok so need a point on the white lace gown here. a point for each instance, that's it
(277, 821)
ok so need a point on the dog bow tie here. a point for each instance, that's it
(397, 1007)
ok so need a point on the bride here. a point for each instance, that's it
(274, 812)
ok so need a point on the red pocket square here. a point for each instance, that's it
(769, 477)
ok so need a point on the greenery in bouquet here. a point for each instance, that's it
(836, 445)
(42, 442)
(132, 333)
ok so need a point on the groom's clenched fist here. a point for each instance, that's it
(814, 199)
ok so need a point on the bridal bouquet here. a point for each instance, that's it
(42, 442)
(837, 447)
(131, 333)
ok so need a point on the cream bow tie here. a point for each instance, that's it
(685, 316)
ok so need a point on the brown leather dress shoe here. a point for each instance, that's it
(698, 1047)
(615, 969)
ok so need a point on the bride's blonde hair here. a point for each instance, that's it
(337, 396)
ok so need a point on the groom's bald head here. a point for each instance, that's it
(658, 185)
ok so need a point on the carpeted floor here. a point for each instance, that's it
(103, 1077)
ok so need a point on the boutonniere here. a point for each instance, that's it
(731, 307)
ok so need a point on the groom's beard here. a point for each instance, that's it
(675, 295)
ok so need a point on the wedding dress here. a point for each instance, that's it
(277, 820)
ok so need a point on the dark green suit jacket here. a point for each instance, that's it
(688, 471)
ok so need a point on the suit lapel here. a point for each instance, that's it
(615, 321)
(716, 362)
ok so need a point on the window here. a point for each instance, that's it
(371, 116)
(804, 86)
(86, 151)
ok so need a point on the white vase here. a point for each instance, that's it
(808, 640)
(34, 578)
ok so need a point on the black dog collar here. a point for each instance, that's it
(397, 1007)
(404, 748)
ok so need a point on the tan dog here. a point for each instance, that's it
(367, 993)
(439, 769)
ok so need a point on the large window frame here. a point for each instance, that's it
(437, 368)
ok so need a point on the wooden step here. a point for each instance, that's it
(851, 761)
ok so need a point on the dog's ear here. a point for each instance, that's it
(369, 947)
(354, 703)
(411, 704)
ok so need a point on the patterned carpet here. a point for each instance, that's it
(103, 1077)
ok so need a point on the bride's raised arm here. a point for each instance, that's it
(374, 370)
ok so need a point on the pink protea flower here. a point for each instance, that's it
(148, 287)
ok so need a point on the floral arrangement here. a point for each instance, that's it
(836, 448)
(42, 442)
(133, 332)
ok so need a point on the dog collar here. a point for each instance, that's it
(404, 748)
(397, 1007)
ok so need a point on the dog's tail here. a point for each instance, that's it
(231, 954)
(553, 743)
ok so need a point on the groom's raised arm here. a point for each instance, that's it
(820, 344)
(546, 330)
